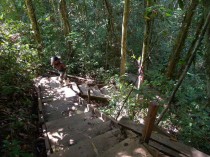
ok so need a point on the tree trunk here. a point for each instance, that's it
(66, 26)
(110, 16)
(198, 31)
(207, 54)
(113, 41)
(124, 37)
(144, 61)
(110, 29)
(192, 54)
(35, 27)
(179, 44)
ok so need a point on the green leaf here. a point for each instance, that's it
(168, 15)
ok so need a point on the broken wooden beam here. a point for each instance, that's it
(92, 97)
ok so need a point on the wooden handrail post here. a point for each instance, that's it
(149, 122)
(88, 94)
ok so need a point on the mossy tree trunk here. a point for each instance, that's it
(179, 43)
(124, 37)
(35, 26)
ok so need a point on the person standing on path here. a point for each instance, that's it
(61, 67)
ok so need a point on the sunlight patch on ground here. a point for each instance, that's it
(68, 92)
(123, 154)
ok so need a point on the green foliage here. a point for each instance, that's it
(194, 125)
(13, 149)
(159, 11)
(121, 99)
(19, 65)
(160, 82)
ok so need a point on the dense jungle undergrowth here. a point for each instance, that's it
(96, 52)
(20, 134)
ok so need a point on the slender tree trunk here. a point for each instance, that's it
(124, 37)
(192, 54)
(110, 30)
(113, 41)
(179, 44)
(198, 31)
(35, 27)
(110, 16)
(144, 61)
(207, 54)
(66, 26)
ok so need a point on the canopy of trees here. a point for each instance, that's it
(165, 44)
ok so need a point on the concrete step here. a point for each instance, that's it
(129, 147)
(62, 108)
(92, 147)
(57, 93)
(67, 137)
(70, 121)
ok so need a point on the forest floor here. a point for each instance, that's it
(20, 133)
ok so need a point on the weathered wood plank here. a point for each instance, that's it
(42, 121)
(165, 150)
(163, 140)
(137, 128)
(179, 147)
(153, 151)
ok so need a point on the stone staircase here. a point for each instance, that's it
(72, 129)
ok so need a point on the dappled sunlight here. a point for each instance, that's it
(71, 141)
(141, 152)
(53, 87)
(68, 135)
(65, 108)
(122, 154)
(196, 153)
(59, 100)
(68, 92)
(56, 136)
(101, 117)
